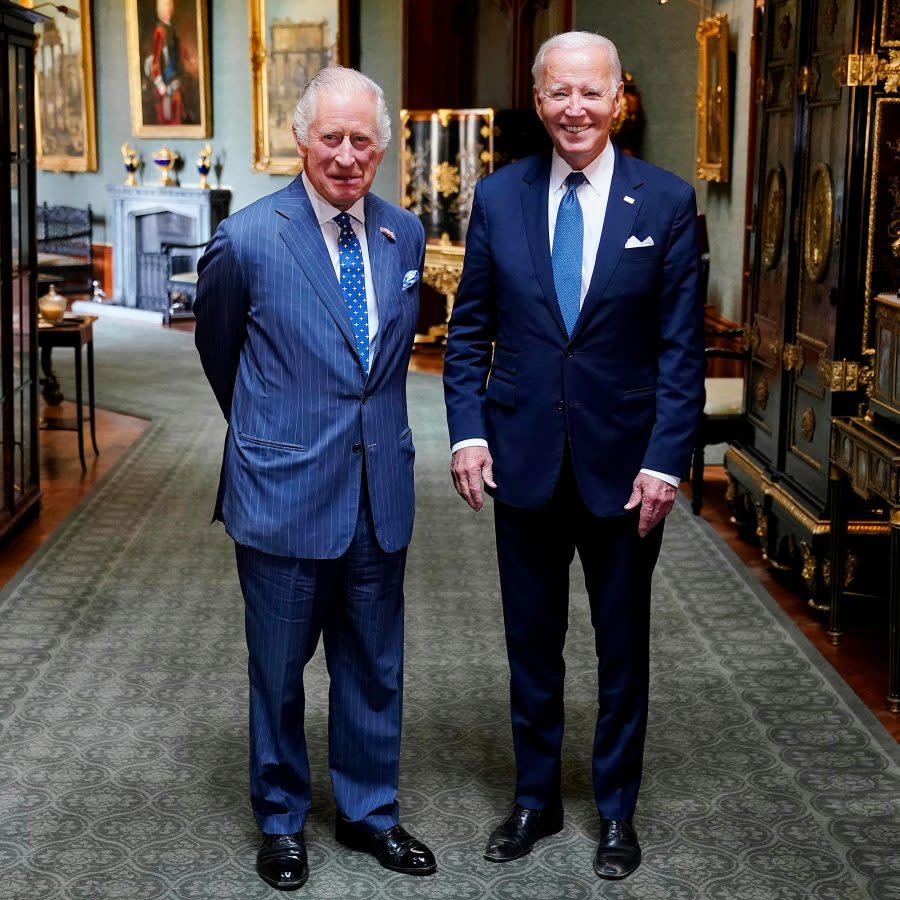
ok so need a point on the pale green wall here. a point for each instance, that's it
(656, 43)
(380, 51)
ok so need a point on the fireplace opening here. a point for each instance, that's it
(152, 230)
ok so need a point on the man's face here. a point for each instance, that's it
(165, 9)
(343, 153)
(577, 103)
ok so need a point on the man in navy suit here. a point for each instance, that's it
(306, 311)
(574, 380)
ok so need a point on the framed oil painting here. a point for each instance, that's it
(290, 40)
(168, 68)
(713, 112)
(64, 82)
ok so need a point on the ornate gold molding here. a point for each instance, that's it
(792, 358)
(868, 69)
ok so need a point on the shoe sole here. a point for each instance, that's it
(283, 885)
(503, 859)
(352, 844)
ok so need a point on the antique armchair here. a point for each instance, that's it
(723, 419)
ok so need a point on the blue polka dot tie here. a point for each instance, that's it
(568, 241)
(353, 285)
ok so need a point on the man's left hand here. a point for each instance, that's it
(656, 498)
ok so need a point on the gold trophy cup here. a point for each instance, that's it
(132, 160)
(204, 164)
(166, 159)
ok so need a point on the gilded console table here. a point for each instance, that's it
(867, 457)
(442, 271)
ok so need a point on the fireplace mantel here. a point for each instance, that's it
(205, 207)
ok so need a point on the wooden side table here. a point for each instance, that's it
(75, 333)
(867, 458)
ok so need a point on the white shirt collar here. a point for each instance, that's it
(325, 212)
(596, 171)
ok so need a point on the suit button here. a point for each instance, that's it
(365, 399)
(561, 405)
(357, 448)
(570, 353)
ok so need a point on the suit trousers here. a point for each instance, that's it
(535, 549)
(356, 603)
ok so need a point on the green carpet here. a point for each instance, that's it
(123, 703)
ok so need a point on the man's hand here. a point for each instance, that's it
(656, 498)
(468, 467)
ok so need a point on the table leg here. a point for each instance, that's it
(50, 391)
(90, 364)
(837, 552)
(79, 410)
(893, 698)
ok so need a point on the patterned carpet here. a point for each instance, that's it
(122, 703)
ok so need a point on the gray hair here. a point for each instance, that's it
(340, 80)
(577, 40)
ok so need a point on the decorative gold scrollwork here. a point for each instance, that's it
(750, 339)
(762, 524)
(889, 71)
(761, 393)
(803, 80)
(792, 357)
(808, 424)
(772, 231)
(808, 571)
(818, 223)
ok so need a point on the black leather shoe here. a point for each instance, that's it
(281, 861)
(516, 834)
(395, 848)
(619, 852)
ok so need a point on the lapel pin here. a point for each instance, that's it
(388, 233)
(629, 199)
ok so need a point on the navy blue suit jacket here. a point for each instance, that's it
(627, 388)
(278, 349)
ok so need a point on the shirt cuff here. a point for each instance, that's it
(469, 442)
(668, 479)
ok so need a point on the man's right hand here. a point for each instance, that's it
(468, 467)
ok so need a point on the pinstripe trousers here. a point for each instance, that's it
(356, 603)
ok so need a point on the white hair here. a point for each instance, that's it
(340, 80)
(577, 40)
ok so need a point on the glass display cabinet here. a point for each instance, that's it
(18, 281)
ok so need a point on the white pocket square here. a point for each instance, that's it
(633, 242)
(410, 278)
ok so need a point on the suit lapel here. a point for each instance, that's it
(384, 260)
(535, 187)
(302, 234)
(617, 227)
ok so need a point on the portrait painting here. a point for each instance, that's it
(713, 102)
(64, 79)
(168, 68)
(290, 40)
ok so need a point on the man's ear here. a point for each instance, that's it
(537, 102)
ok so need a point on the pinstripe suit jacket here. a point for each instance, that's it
(277, 347)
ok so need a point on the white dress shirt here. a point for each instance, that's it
(325, 214)
(593, 196)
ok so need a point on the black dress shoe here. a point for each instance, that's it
(281, 861)
(515, 835)
(395, 848)
(619, 852)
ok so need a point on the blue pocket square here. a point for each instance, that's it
(410, 278)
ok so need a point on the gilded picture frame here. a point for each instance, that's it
(66, 121)
(290, 40)
(713, 100)
(168, 68)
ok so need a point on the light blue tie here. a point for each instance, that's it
(353, 285)
(568, 240)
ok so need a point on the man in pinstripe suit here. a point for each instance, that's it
(306, 310)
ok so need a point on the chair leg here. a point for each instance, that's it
(697, 479)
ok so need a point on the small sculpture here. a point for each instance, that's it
(204, 164)
(132, 160)
(166, 159)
